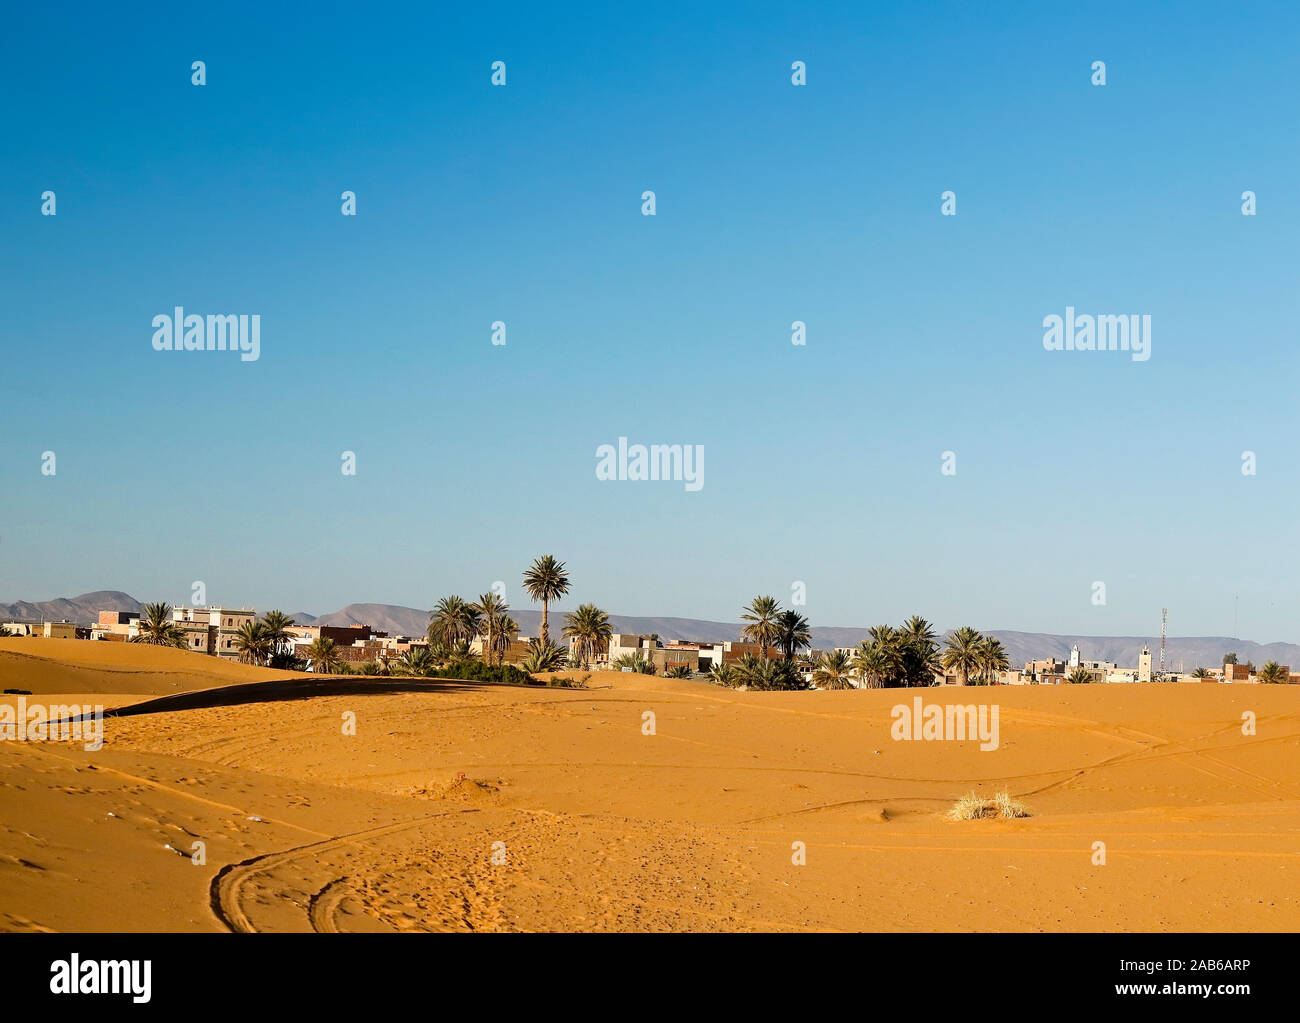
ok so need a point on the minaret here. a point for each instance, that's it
(1144, 665)
(1074, 656)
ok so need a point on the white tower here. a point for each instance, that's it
(1074, 656)
(1144, 665)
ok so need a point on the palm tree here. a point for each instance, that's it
(833, 670)
(888, 641)
(157, 628)
(590, 629)
(1273, 673)
(546, 580)
(871, 664)
(544, 656)
(1201, 673)
(918, 631)
(253, 643)
(276, 624)
(678, 671)
(452, 620)
(490, 608)
(416, 661)
(634, 661)
(792, 633)
(920, 652)
(760, 673)
(1079, 677)
(506, 628)
(992, 659)
(763, 627)
(963, 652)
(723, 675)
(324, 655)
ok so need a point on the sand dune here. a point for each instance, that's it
(485, 808)
(79, 666)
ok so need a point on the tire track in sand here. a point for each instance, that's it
(231, 880)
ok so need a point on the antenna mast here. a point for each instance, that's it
(1164, 628)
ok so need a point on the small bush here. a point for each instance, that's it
(477, 671)
(1001, 807)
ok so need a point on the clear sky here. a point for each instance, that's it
(775, 203)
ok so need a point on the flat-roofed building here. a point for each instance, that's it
(212, 630)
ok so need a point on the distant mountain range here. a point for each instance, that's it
(1182, 652)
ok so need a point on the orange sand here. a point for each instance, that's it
(602, 827)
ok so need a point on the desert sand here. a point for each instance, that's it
(469, 807)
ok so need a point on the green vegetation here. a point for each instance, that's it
(833, 669)
(893, 658)
(324, 656)
(1273, 673)
(157, 628)
(760, 673)
(546, 580)
(763, 628)
(454, 620)
(634, 661)
(590, 629)
(963, 652)
(724, 675)
(543, 655)
(491, 611)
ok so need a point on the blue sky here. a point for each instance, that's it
(775, 203)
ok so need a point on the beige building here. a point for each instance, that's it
(212, 630)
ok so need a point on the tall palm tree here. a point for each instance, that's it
(962, 653)
(792, 633)
(833, 670)
(546, 580)
(992, 658)
(253, 643)
(276, 624)
(324, 655)
(157, 628)
(763, 628)
(490, 609)
(453, 619)
(590, 629)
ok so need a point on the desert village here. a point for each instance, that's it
(215, 631)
